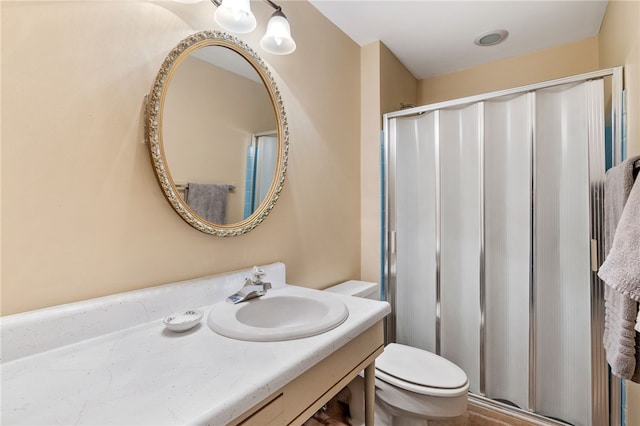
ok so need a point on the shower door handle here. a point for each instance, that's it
(392, 242)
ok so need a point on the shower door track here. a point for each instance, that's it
(603, 392)
(508, 410)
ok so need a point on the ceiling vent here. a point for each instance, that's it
(491, 38)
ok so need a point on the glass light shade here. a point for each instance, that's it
(277, 39)
(235, 16)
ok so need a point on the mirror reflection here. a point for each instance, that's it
(220, 135)
(217, 133)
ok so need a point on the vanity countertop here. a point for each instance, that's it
(147, 374)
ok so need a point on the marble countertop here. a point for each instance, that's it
(149, 375)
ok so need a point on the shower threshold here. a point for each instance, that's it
(508, 408)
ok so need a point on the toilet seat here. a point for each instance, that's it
(419, 371)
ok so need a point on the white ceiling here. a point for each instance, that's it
(436, 37)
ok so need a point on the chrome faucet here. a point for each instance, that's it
(253, 287)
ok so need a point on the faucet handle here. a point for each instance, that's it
(257, 273)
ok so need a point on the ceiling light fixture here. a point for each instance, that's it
(491, 38)
(236, 16)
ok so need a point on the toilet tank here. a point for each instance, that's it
(367, 290)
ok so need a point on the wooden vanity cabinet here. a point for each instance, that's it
(302, 397)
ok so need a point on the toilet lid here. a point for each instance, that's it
(420, 367)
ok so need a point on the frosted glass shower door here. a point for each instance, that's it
(507, 248)
(562, 253)
(415, 190)
(460, 136)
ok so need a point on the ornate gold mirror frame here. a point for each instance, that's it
(154, 135)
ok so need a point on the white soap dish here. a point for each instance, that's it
(183, 321)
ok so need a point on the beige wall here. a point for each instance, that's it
(82, 214)
(397, 84)
(619, 44)
(561, 61)
(386, 83)
(370, 162)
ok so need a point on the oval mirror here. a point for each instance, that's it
(217, 134)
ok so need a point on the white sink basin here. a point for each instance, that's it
(282, 314)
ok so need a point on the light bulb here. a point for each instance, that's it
(277, 39)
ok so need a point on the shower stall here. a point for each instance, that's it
(493, 236)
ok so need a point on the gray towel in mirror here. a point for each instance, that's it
(209, 201)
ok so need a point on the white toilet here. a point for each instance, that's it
(412, 385)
